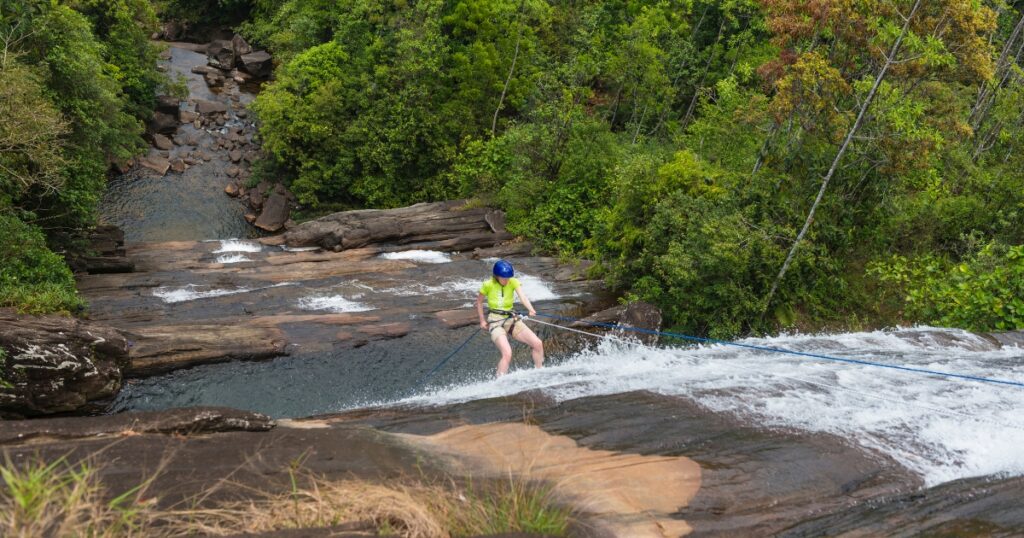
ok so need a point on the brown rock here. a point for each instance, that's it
(162, 142)
(157, 163)
(239, 46)
(439, 226)
(496, 220)
(178, 165)
(235, 155)
(187, 116)
(163, 123)
(232, 189)
(167, 104)
(186, 420)
(204, 106)
(232, 171)
(275, 213)
(220, 54)
(258, 64)
(256, 199)
(57, 364)
(250, 217)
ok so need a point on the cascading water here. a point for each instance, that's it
(941, 428)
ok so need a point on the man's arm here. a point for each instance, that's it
(526, 301)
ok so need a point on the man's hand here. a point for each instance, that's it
(483, 325)
(532, 312)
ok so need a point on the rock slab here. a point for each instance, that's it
(55, 364)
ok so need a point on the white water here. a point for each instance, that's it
(333, 303)
(232, 258)
(235, 245)
(422, 256)
(191, 292)
(535, 288)
(940, 428)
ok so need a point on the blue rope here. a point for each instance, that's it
(791, 352)
(444, 360)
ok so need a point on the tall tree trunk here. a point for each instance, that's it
(703, 77)
(508, 80)
(839, 156)
(987, 91)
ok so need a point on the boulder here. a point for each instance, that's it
(163, 123)
(162, 142)
(220, 54)
(56, 364)
(232, 189)
(155, 162)
(187, 116)
(233, 171)
(178, 165)
(275, 212)
(204, 69)
(214, 79)
(204, 106)
(235, 155)
(441, 225)
(641, 315)
(496, 220)
(258, 64)
(240, 47)
(167, 104)
(256, 199)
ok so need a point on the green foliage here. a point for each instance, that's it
(124, 26)
(678, 235)
(679, 143)
(69, 70)
(509, 507)
(983, 292)
(32, 278)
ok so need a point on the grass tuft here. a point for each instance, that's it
(62, 499)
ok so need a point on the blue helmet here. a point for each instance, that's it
(503, 269)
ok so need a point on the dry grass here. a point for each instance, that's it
(62, 499)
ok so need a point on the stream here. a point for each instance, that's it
(788, 444)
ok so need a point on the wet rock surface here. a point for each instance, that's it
(754, 482)
(443, 225)
(57, 364)
(192, 303)
(188, 421)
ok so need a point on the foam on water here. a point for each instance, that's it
(941, 428)
(192, 292)
(232, 258)
(332, 303)
(235, 245)
(534, 287)
(299, 249)
(422, 256)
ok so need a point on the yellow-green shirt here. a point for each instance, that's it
(499, 297)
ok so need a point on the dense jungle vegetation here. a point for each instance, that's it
(747, 165)
(77, 81)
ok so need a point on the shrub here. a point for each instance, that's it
(33, 279)
(983, 292)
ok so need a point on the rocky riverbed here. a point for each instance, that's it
(324, 340)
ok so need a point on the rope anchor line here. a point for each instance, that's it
(787, 351)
